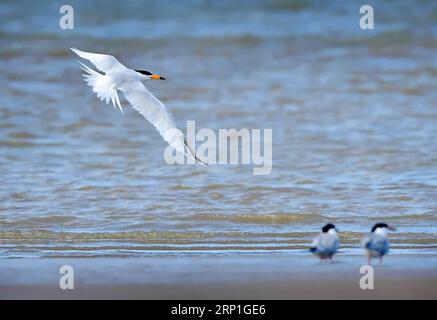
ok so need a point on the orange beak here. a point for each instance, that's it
(156, 77)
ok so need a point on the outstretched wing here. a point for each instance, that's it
(158, 115)
(102, 84)
(103, 62)
(137, 95)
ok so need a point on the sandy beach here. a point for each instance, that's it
(276, 276)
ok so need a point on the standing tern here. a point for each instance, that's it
(115, 76)
(325, 245)
(376, 243)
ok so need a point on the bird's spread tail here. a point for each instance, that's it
(313, 249)
(102, 86)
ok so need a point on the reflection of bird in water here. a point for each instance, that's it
(115, 76)
(326, 244)
(376, 243)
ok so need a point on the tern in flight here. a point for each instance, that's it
(326, 244)
(376, 243)
(112, 76)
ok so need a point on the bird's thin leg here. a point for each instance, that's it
(380, 261)
(369, 260)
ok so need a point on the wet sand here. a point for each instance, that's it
(247, 276)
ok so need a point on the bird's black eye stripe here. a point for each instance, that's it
(147, 73)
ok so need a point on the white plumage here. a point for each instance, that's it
(326, 244)
(115, 76)
(376, 244)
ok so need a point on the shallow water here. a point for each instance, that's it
(353, 114)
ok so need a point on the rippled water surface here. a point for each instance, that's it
(354, 118)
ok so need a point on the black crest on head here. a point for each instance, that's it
(328, 227)
(379, 225)
(146, 73)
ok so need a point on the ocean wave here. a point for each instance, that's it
(275, 218)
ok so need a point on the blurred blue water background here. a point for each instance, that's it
(353, 112)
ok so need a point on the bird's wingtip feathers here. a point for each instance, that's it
(202, 162)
